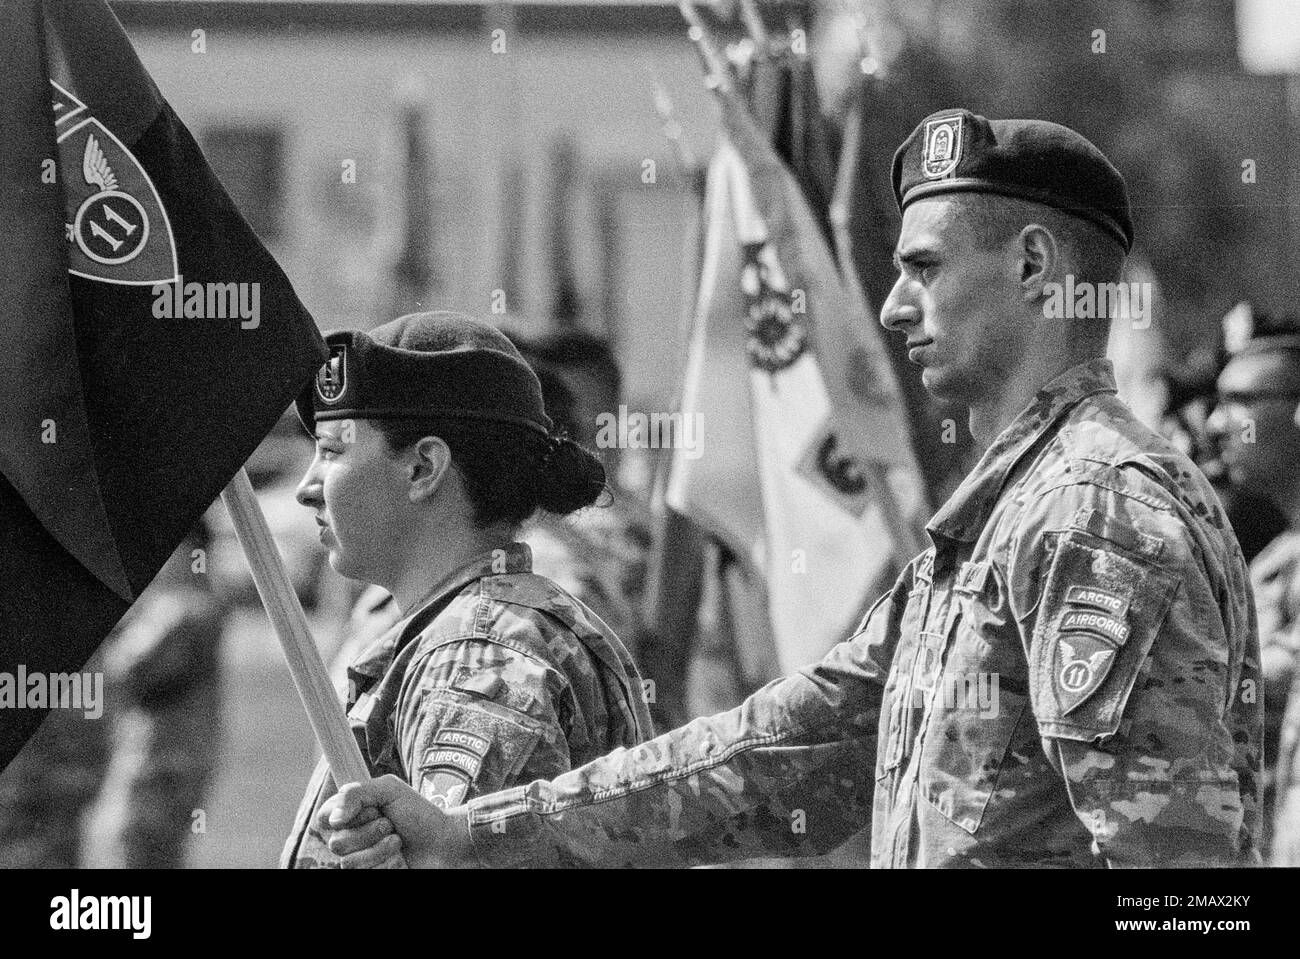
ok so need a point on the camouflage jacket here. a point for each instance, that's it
(1276, 576)
(513, 680)
(598, 556)
(1068, 677)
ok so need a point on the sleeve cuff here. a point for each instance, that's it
(503, 830)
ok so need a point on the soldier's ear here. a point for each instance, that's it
(428, 468)
(1039, 259)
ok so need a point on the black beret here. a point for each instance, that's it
(424, 366)
(956, 151)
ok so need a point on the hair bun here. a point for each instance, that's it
(569, 477)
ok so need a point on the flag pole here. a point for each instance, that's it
(305, 665)
(910, 529)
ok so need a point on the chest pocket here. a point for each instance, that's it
(977, 704)
(900, 693)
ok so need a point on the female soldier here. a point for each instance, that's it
(432, 448)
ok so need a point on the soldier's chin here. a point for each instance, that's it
(953, 385)
(937, 383)
(339, 563)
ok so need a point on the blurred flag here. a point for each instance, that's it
(805, 467)
(152, 340)
(866, 224)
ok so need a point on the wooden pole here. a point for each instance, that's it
(305, 665)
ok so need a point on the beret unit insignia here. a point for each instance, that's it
(942, 148)
(332, 378)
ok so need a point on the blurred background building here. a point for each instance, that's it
(510, 160)
(487, 157)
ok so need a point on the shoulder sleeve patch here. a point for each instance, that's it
(1101, 610)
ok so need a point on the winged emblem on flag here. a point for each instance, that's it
(95, 168)
(117, 229)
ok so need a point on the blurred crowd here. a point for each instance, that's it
(1234, 407)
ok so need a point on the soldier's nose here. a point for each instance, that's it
(308, 492)
(897, 311)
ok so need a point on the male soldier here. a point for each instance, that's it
(1260, 441)
(1067, 677)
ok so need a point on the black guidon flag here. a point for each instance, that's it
(122, 421)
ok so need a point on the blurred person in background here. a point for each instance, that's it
(687, 608)
(600, 555)
(433, 447)
(1191, 395)
(1254, 425)
(46, 788)
(122, 789)
(1286, 820)
(163, 672)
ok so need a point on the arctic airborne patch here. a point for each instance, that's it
(941, 151)
(1114, 629)
(457, 749)
(1098, 599)
(450, 764)
(464, 739)
(452, 758)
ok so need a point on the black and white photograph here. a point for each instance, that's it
(784, 437)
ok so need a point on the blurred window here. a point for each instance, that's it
(249, 160)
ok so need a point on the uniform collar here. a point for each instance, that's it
(969, 508)
(513, 558)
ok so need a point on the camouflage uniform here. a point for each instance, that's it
(164, 673)
(45, 790)
(120, 791)
(513, 680)
(1086, 566)
(1275, 575)
(1275, 579)
(599, 557)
